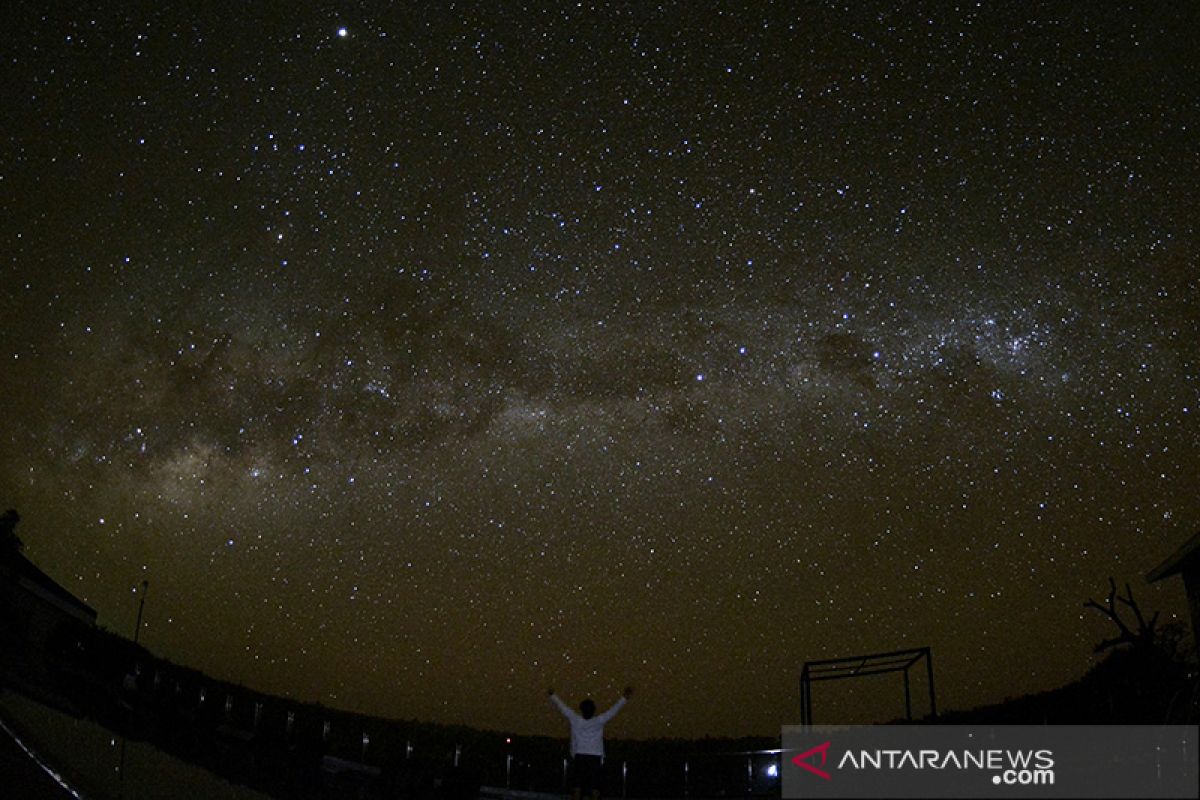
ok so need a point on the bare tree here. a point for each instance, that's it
(1145, 633)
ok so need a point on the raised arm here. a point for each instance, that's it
(566, 710)
(612, 711)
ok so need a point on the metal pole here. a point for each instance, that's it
(806, 698)
(932, 695)
(137, 630)
(624, 779)
(907, 697)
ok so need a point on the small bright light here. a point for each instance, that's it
(342, 32)
(772, 770)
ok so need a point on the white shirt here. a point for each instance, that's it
(587, 735)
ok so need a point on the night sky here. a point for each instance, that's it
(425, 357)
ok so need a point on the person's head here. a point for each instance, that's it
(587, 708)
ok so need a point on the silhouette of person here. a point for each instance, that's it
(587, 742)
(10, 543)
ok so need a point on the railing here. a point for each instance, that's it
(305, 751)
(747, 773)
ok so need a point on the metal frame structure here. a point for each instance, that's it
(831, 669)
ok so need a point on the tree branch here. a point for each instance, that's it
(1145, 631)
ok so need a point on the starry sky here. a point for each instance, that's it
(422, 356)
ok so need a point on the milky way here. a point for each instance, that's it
(421, 359)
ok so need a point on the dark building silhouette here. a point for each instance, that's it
(42, 625)
(1184, 562)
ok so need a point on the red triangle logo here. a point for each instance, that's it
(802, 760)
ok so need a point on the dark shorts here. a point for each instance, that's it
(587, 773)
